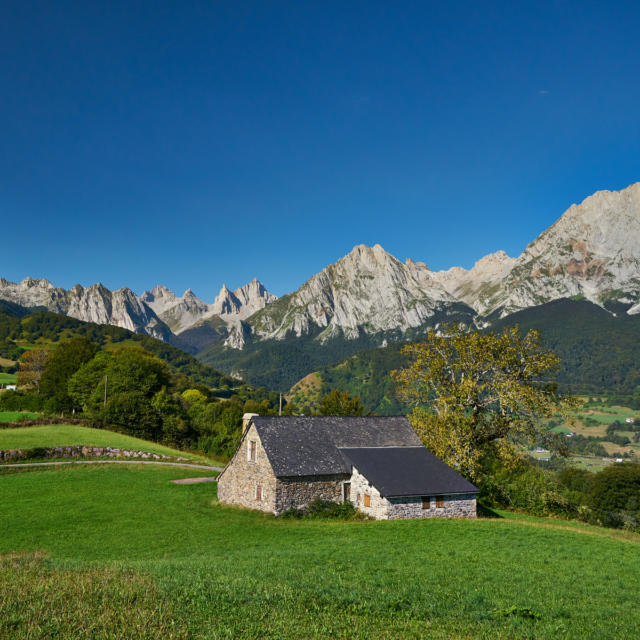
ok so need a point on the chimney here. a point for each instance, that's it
(246, 419)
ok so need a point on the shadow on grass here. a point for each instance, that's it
(486, 512)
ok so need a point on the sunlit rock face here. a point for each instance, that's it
(474, 285)
(122, 308)
(181, 313)
(367, 290)
(592, 251)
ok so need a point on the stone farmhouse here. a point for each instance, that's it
(377, 463)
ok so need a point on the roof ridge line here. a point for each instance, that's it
(390, 446)
(350, 417)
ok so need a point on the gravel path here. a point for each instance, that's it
(166, 464)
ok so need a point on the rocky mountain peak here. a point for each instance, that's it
(591, 251)
(367, 290)
(96, 303)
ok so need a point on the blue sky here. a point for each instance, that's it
(197, 143)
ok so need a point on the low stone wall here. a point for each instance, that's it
(79, 451)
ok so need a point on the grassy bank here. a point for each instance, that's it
(229, 573)
(69, 435)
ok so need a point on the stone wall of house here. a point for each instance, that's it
(300, 491)
(361, 487)
(239, 481)
(455, 506)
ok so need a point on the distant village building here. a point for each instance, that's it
(11, 387)
(376, 463)
(629, 420)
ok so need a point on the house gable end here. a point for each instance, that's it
(249, 479)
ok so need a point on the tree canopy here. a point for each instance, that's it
(32, 366)
(61, 364)
(475, 395)
(340, 403)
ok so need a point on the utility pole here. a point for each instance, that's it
(280, 409)
(105, 390)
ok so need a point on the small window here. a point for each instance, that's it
(252, 450)
(439, 502)
(259, 493)
(426, 502)
(367, 500)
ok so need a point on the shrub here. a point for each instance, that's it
(35, 453)
(20, 401)
(614, 493)
(525, 488)
(325, 509)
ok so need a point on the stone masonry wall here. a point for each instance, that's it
(237, 483)
(360, 487)
(456, 506)
(80, 451)
(301, 491)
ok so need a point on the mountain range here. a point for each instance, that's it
(369, 298)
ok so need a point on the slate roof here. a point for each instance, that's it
(309, 446)
(406, 471)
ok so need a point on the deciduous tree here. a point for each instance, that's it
(479, 394)
(340, 403)
(32, 365)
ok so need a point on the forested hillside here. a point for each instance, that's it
(20, 328)
(599, 353)
(115, 379)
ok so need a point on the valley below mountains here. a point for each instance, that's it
(371, 300)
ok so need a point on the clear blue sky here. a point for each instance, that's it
(196, 143)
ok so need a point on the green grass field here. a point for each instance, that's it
(15, 416)
(8, 378)
(122, 552)
(69, 435)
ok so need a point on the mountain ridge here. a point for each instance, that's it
(369, 297)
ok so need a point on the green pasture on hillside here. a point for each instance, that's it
(8, 378)
(70, 435)
(120, 551)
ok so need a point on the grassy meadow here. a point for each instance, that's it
(120, 551)
(8, 378)
(70, 435)
(591, 421)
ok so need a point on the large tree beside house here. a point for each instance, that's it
(477, 395)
